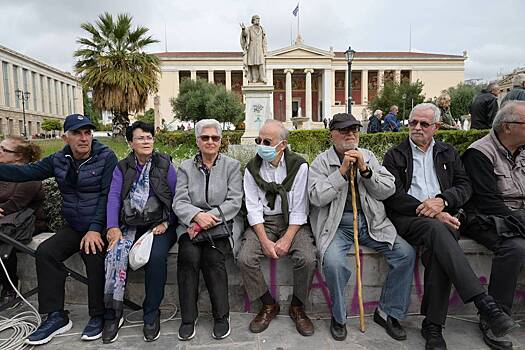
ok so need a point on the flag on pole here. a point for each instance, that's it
(296, 10)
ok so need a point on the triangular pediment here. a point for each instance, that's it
(300, 51)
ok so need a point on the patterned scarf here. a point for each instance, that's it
(116, 263)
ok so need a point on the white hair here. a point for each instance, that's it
(207, 123)
(506, 114)
(425, 106)
(518, 79)
(283, 133)
(378, 112)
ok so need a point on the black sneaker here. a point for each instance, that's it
(338, 330)
(498, 321)
(221, 327)
(187, 330)
(111, 327)
(391, 325)
(8, 296)
(493, 342)
(433, 334)
(152, 331)
(56, 323)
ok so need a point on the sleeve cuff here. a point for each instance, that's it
(96, 227)
(255, 218)
(297, 219)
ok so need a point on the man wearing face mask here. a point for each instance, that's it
(275, 187)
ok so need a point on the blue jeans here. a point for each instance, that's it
(395, 296)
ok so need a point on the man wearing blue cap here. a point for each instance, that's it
(83, 171)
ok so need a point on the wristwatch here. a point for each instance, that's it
(367, 173)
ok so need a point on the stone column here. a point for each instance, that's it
(328, 95)
(331, 86)
(244, 79)
(308, 93)
(211, 78)
(229, 80)
(288, 73)
(193, 75)
(269, 76)
(364, 87)
(380, 80)
(397, 76)
(2, 87)
(176, 84)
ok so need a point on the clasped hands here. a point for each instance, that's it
(353, 157)
(201, 221)
(276, 250)
(433, 208)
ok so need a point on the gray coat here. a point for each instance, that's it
(224, 190)
(328, 189)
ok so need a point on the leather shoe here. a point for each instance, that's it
(262, 320)
(302, 323)
(338, 330)
(391, 325)
(493, 342)
(433, 334)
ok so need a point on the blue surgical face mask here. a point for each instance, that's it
(267, 152)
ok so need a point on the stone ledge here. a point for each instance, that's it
(280, 281)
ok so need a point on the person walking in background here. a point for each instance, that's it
(484, 107)
(374, 122)
(391, 124)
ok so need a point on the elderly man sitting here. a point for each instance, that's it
(496, 211)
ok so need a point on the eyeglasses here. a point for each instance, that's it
(266, 142)
(424, 125)
(206, 138)
(345, 131)
(144, 139)
(5, 150)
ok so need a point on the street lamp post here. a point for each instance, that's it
(404, 99)
(24, 96)
(349, 58)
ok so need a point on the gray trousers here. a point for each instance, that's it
(302, 253)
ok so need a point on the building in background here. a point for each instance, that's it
(315, 79)
(53, 93)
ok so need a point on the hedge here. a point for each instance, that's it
(313, 142)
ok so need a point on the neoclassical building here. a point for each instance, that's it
(52, 93)
(310, 82)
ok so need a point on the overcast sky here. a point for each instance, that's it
(492, 32)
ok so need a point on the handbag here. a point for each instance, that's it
(222, 230)
(141, 250)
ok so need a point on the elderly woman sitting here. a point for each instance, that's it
(206, 182)
(140, 199)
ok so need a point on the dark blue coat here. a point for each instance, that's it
(84, 190)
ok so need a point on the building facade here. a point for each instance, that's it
(52, 93)
(309, 82)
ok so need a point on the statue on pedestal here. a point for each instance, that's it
(254, 47)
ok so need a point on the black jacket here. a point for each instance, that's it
(483, 110)
(374, 125)
(453, 180)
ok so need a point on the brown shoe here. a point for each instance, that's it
(264, 317)
(302, 323)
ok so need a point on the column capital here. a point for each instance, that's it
(288, 70)
(308, 70)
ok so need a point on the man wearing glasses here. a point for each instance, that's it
(82, 170)
(431, 187)
(332, 223)
(496, 211)
(277, 204)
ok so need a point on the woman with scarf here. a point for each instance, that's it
(207, 185)
(139, 200)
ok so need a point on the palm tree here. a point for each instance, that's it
(113, 65)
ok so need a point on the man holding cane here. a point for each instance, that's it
(332, 221)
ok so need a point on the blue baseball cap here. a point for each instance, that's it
(77, 121)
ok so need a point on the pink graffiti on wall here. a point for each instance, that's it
(319, 283)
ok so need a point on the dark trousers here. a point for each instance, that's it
(51, 272)
(212, 261)
(445, 264)
(11, 266)
(155, 272)
(508, 261)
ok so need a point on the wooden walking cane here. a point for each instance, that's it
(356, 246)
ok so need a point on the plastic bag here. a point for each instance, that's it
(141, 250)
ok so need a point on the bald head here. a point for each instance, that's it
(276, 128)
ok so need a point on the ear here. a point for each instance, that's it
(437, 125)
(64, 137)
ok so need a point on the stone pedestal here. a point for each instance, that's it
(258, 99)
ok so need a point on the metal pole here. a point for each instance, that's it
(24, 115)
(349, 108)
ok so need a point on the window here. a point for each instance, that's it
(21, 127)
(15, 80)
(11, 129)
(35, 90)
(5, 77)
(24, 80)
(42, 95)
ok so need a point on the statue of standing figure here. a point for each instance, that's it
(254, 47)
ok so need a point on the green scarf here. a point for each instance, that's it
(293, 163)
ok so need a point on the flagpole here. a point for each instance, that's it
(298, 15)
